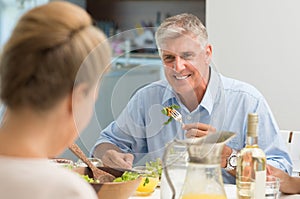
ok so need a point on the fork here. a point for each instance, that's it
(177, 116)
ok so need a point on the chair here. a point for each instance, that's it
(295, 151)
(287, 136)
(292, 141)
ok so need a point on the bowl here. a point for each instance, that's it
(115, 190)
(63, 162)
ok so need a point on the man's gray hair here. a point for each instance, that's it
(179, 25)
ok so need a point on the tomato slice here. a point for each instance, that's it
(169, 111)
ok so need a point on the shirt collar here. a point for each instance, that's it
(210, 94)
(169, 96)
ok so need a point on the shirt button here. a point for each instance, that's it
(188, 117)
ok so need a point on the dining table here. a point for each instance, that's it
(230, 190)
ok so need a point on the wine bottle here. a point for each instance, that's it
(251, 165)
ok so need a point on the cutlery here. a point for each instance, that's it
(177, 116)
(98, 174)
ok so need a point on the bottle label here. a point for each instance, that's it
(260, 184)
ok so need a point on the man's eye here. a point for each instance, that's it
(168, 59)
(187, 56)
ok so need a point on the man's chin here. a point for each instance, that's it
(183, 89)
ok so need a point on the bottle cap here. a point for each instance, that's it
(252, 124)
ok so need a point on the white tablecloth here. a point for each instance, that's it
(230, 192)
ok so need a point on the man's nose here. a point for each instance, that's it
(178, 64)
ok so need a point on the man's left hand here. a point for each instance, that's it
(197, 129)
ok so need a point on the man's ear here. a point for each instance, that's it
(208, 53)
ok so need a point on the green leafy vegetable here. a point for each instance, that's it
(127, 176)
(153, 167)
(89, 180)
(69, 166)
(146, 181)
(157, 165)
(167, 111)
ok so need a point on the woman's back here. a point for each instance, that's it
(49, 70)
(39, 178)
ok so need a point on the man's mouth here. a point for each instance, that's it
(181, 77)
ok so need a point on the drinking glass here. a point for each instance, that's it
(272, 187)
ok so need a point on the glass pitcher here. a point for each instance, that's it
(176, 161)
(200, 162)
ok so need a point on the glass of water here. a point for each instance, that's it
(272, 187)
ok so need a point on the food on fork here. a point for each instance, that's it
(167, 111)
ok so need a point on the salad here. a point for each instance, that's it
(151, 166)
(127, 176)
(89, 180)
(157, 165)
(167, 111)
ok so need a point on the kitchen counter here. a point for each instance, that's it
(125, 77)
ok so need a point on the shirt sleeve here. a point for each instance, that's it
(243, 99)
(270, 140)
(128, 131)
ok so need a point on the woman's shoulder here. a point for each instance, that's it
(70, 183)
(41, 179)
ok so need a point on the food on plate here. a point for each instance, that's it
(129, 175)
(147, 185)
(167, 111)
(155, 165)
(150, 180)
(150, 174)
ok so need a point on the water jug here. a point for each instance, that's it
(192, 167)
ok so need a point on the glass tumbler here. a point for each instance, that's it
(272, 187)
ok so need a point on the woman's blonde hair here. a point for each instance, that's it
(45, 52)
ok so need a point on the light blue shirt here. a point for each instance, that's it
(140, 130)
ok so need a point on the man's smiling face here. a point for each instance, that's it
(186, 64)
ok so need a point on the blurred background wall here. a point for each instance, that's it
(258, 42)
(10, 11)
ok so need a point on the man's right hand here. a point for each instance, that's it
(115, 159)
